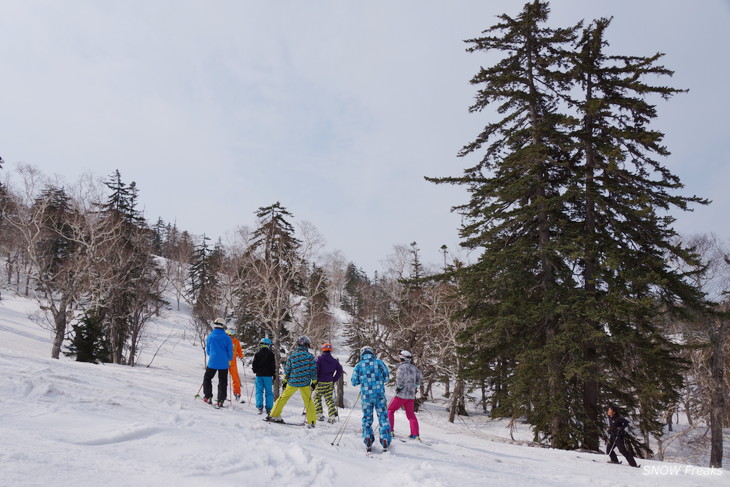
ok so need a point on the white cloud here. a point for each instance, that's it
(336, 109)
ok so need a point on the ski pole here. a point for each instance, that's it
(615, 439)
(245, 381)
(198, 394)
(344, 424)
(230, 392)
(309, 404)
(250, 395)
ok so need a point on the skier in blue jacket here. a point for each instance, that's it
(219, 348)
(371, 374)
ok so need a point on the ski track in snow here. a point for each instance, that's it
(67, 423)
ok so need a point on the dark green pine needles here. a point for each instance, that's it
(568, 207)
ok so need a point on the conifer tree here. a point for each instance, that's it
(565, 205)
(132, 279)
(204, 284)
(352, 296)
(516, 214)
(88, 343)
(59, 279)
(271, 273)
(624, 246)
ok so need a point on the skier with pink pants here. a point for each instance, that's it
(407, 378)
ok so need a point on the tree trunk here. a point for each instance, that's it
(717, 405)
(276, 346)
(484, 396)
(341, 391)
(591, 410)
(458, 391)
(59, 333)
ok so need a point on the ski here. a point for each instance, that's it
(268, 420)
(213, 404)
(415, 441)
(370, 453)
(620, 462)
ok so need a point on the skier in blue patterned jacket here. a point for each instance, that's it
(371, 374)
(299, 373)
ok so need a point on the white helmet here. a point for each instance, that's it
(365, 350)
(219, 323)
(405, 355)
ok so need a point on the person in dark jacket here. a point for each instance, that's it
(300, 371)
(264, 368)
(219, 348)
(616, 430)
(329, 371)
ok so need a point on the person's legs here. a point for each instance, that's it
(329, 388)
(281, 402)
(625, 452)
(259, 392)
(235, 378)
(611, 449)
(367, 421)
(208, 383)
(395, 404)
(306, 393)
(269, 392)
(411, 415)
(318, 399)
(222, 384)
(383, 424)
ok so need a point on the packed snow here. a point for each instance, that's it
(68, 423)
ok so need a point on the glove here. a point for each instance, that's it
(283, 384)
(314, 384)
(398, 389)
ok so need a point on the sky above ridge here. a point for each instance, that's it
(336, 109)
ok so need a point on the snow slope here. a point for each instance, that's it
(67, 423)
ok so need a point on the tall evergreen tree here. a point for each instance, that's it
(58, 274)
(565, 206)
(624, 246)
(352, 296)
(271, 273)
(517, 213)
(204, 291)
(132, 276)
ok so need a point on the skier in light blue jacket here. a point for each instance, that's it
(371, 374)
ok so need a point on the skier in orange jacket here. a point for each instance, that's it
(233, 366)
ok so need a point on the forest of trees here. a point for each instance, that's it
(581, 292)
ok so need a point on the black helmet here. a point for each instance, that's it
(304, 341)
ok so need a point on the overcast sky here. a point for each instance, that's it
(337, 109)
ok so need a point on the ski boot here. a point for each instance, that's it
(385, 444)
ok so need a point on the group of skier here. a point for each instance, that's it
(309, 376)
(305, 374)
